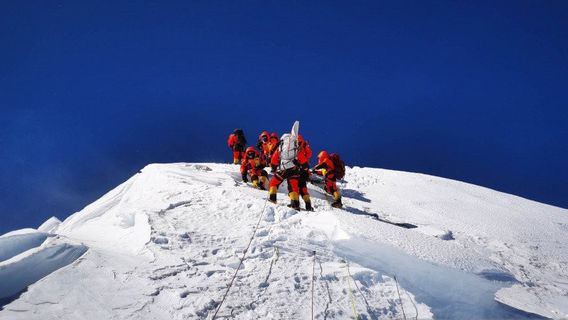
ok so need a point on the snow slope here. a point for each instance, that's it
(166, 243)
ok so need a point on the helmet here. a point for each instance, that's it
(251, 153)
(264, 136)
(323, 155)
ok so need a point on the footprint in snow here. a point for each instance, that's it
(262, 233)
(160, 240)
(269, 215)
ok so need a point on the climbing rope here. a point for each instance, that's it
(414, 304)
(399, 299)
(328, 292)
(353, 308)
(313, 280)
(241, 262)
(358, 289)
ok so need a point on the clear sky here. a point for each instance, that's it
(91, 91)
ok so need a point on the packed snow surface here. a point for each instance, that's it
(49, 225)
(166, 243)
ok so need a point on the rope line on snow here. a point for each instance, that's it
(353, 308)
(399, 299)
(414, 304)
(358, 289)
(241, 262)
(313, 280)
(328, 292)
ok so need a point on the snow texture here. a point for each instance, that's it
(166, 243)
(49, 225)
(16, 242)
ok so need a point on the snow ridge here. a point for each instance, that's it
(166, 243)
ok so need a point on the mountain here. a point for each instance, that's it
(166, 244)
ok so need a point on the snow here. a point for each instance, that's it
(166, 243)
(49, 225)
(16, 242)
(18, 232)
(26, 268)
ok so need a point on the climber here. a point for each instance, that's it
(253, 165)
(237, 143)
(327, 168)
(284, 167)
(273, 144)
(303, 157)
(264, 145)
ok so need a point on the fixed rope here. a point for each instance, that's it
(313, 280)
(241, 262)
(399, 299)
(353, 308)
(358, 289)
(328, 292)
(414, 304)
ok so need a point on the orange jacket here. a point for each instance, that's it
(275, 159)
(273, 144)
(304, 153)
(325, 167)
(252, 166)
(265, 147)
(232, 140)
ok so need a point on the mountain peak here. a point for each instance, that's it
(167, 242)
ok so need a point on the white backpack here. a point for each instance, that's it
(288, 151)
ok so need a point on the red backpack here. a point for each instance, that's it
(339, 165)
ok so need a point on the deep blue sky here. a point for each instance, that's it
(91, 91)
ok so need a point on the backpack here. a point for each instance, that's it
(339, 165)
(240, 137)
(288, 151)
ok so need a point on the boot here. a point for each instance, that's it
(272, 197)
(337, 203)
(294, 200)
(309, 206)
(308, 203)
(294, 204)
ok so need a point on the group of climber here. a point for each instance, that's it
(289, 159)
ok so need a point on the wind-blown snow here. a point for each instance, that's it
(165, 244)
(22, 270)
(16, 242)
(49, 225)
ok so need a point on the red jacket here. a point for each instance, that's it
(232, 140)
(304, 153)
(252, 166)
(325, 167)
(275, 159)
(272, 144)
(265, 147)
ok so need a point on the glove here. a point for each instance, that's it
(245, 178)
